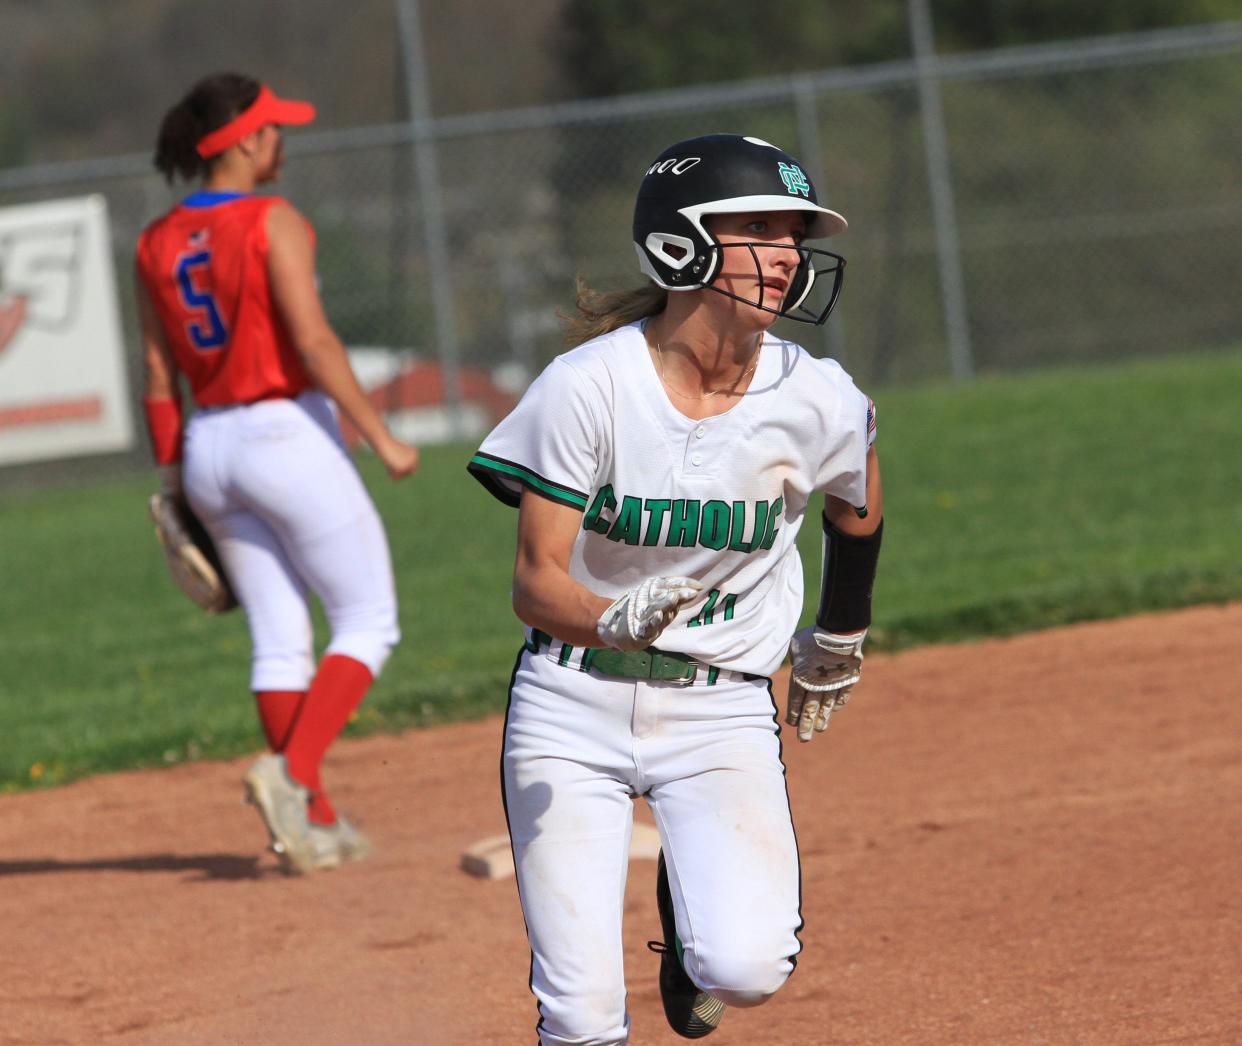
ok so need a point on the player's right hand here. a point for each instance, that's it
(401, 459)
(826, 667)
(636, 620)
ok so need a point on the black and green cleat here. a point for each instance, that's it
(691, 1013)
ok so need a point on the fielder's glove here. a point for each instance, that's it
(191, 556)
(825, 668)
(636, 620)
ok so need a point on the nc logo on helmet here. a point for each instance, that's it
(795, 181)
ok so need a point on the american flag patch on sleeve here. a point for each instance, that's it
(870, 421)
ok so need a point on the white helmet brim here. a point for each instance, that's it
(824, 223)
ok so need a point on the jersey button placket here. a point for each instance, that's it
(695, 446)
(696, 457)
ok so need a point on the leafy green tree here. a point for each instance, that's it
(979, 24)
(608, 47)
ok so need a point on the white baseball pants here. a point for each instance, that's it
(276, 489)
(578, 748)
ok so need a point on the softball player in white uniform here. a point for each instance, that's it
(663, 469)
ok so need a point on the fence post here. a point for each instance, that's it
(811, 150)
(426, 168)
(940, 183)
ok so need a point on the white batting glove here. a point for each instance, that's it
(826, 666)
(636, 620)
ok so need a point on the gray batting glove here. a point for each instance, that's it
(826, 666)
(636, 620)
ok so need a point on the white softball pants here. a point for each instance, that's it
(276, 489)
(578, 748)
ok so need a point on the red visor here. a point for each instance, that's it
(265, 109)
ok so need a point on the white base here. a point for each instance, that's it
(492, 858)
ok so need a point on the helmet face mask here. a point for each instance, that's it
(823, 277)
(730, 174)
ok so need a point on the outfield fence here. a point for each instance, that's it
(1095, 190)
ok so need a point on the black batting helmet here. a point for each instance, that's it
(727, 174)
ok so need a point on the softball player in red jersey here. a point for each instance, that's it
(228, 299)
(662, 470)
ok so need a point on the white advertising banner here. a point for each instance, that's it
(63, 387)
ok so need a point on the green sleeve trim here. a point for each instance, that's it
(488, 470)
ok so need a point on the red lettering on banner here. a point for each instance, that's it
(88, 408)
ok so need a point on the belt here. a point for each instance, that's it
(635, 664)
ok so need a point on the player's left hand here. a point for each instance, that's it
(826, 666)
(190, 553)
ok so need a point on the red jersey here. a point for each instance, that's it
(204, 265)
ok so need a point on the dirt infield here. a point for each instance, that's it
(1034, 840)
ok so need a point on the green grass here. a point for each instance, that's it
(1063, 495)
(1013, 503)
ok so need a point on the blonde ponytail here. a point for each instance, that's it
(600, 312)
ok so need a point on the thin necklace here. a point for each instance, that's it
(710, 392)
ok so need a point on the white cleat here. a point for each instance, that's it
(334, 844)
(282, 804)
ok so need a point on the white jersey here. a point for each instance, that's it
(720, 500)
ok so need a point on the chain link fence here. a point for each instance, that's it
(1096, 187)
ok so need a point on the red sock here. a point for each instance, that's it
(319, 810)
(278, 711)
(337, 689)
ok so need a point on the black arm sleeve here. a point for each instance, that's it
(849, 567)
